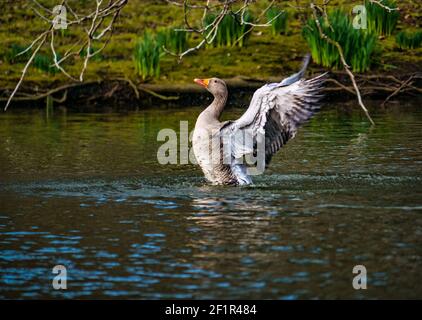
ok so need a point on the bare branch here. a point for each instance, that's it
(408, 82)
(209, 31)
(343, 61)
(58, 66)
(25, 69)
(379, 3)
(96, 20)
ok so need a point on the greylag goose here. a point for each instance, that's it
(274, 115)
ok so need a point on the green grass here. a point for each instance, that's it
(147, 55)
(278, 20)
(381, 21)
(409, 40)
(45, 63)
(230, 31)
(12, 56)
(358, 46)
(172, 40)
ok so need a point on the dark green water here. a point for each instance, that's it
(86, 191)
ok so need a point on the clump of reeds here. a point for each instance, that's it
(147, 56)
(409, 40)
(13, 54)
(45, 63)
(357, 46)
(278, 20)
(380, 20)
(231, 31)
(173, 40)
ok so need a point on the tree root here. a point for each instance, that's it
(23, 96)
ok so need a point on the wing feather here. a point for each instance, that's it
(276, 110)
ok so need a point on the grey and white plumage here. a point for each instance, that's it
(274, 115)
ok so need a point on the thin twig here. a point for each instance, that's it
(403, 85)
(25, 69)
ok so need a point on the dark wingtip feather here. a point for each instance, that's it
(299, 75)
(316, 83)
(305, 64)
(311, 98)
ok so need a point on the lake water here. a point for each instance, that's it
(86, 191)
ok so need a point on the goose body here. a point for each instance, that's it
(207, 142)
(272, 118)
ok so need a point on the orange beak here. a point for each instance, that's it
(202, 82)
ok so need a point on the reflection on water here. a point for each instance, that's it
(87, 192)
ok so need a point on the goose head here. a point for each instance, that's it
(216, 86)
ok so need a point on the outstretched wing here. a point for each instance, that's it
(275, 113)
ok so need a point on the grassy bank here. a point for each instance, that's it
(265, 55)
